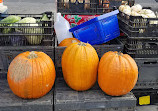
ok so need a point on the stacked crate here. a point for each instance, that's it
(25, 37)
(66, 99)
(15, 42)
(142, 44)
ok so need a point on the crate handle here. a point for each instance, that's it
(151, 62)
(152, 44)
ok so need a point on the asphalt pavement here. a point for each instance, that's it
(30, 6)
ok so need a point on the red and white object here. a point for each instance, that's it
(75, 20)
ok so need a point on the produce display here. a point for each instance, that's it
(117, 73)
(68, 41)
(27, 25)
(30, 21)
(8, 21)
(31, 74)
(137, 10)
(79, 66)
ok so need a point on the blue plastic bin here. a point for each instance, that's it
(98, 30)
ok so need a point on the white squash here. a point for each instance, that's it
(150, 15)
(123, 7)
(144, 16)
(146, 11)
(136, 8)
(126, 11)
(133, 13)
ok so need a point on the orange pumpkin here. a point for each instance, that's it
(117, 73)
(68, 41)
(31, 74)
(79, 66)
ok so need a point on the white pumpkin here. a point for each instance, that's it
(150, 15)
(126, 11)
(133, 13)
(146, 11)
(144, 16)
(136, 8)
(123, 7)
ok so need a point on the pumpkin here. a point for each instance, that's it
(31, 74)
(68, 41)
(126, 11)
(133, 13)
(123, 7)
(79, 66)
(117, 73)
(136, 8)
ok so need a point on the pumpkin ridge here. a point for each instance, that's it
(49, 70)
(70, 49)
(129, 71)
(41, 72)
(129, 61)
(18, 75)
(123, 67)
(25, 77)
(78, 49)
(15, 68)
(64, 53)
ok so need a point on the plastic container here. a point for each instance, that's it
(98, 30)
(62, 27)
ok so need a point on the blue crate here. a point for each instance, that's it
(98, 30)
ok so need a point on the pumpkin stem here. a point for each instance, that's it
(82, 44)
(120, 53)
(32, 55)
(126, 3)
(73, 41)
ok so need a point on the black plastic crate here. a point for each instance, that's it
(137, 26)
(88, 6)
(28, 34)
(66, 99)
(146, 96)
(143, 47)
(148, 73)
(142, 43)
(10, 102)
(142, 53)
(8, 53)
(113, 45)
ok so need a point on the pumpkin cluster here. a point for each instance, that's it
(32, 74)
(117, 72)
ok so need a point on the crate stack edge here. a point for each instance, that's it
(142, 44)
(21, 39)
